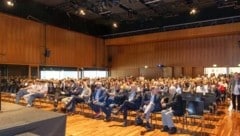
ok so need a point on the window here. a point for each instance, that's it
(58, 74)
(234, 69)
(95, 73)
(215, 70)
(67, 72)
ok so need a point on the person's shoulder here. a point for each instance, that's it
(179, 95)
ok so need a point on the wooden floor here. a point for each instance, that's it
(225, 123)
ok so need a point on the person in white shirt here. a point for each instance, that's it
(202, 88)
(25, 91)
(40, 92)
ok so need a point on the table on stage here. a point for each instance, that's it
(22, 121)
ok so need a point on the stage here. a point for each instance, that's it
(23, 121)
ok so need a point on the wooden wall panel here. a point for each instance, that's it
(150, 73)
(197, 71)
(177, 72)
(20, 40)
(233, 28)
(125, 72)
(61, 44)
(101, 53)
(167, 72)
(74, 49)
(190, 54)
(24, 42)
(187, 71)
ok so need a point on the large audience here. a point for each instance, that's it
(114, 96)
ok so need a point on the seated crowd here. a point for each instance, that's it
(120, 95)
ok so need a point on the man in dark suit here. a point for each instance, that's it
(132, 103)
(173, 107)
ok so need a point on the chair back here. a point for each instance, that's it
(195, 107)
(209, 99)
(186, 95)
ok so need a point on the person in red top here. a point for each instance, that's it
(222, 90)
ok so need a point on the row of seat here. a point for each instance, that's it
(192, 103)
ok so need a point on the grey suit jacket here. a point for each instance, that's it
(232, 85)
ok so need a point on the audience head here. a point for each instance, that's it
(133, 87)
(172, 90)
(154, 89)
(98, 84)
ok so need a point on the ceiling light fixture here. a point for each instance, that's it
(82, 12)
(193, 11)
(9, 3)
(115, 25)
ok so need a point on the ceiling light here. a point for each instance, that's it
(9, 3)
(193, 11)
(82, 12)
(145, 66)
(115, 25)
(239, 65)
(214, 65)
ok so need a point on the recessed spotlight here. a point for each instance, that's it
(214, 65)
(82, 12)
(9, 3)
(193, 11)
(239, 65)
(115, 25)
(145, 66)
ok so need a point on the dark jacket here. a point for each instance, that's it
(120, 97)
(157, 101)
(137, 100)
(176, 104)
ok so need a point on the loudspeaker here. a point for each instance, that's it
(109, 59)
(47, 53)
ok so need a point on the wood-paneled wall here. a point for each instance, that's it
(24, 42)
(20, 40)
(186, 52)
(73, 49)
(232, 28)
(187, 56)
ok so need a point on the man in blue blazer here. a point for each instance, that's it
(98, 98)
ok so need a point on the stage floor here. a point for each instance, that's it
(21, 120)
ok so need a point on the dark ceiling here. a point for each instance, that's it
(132, 16)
